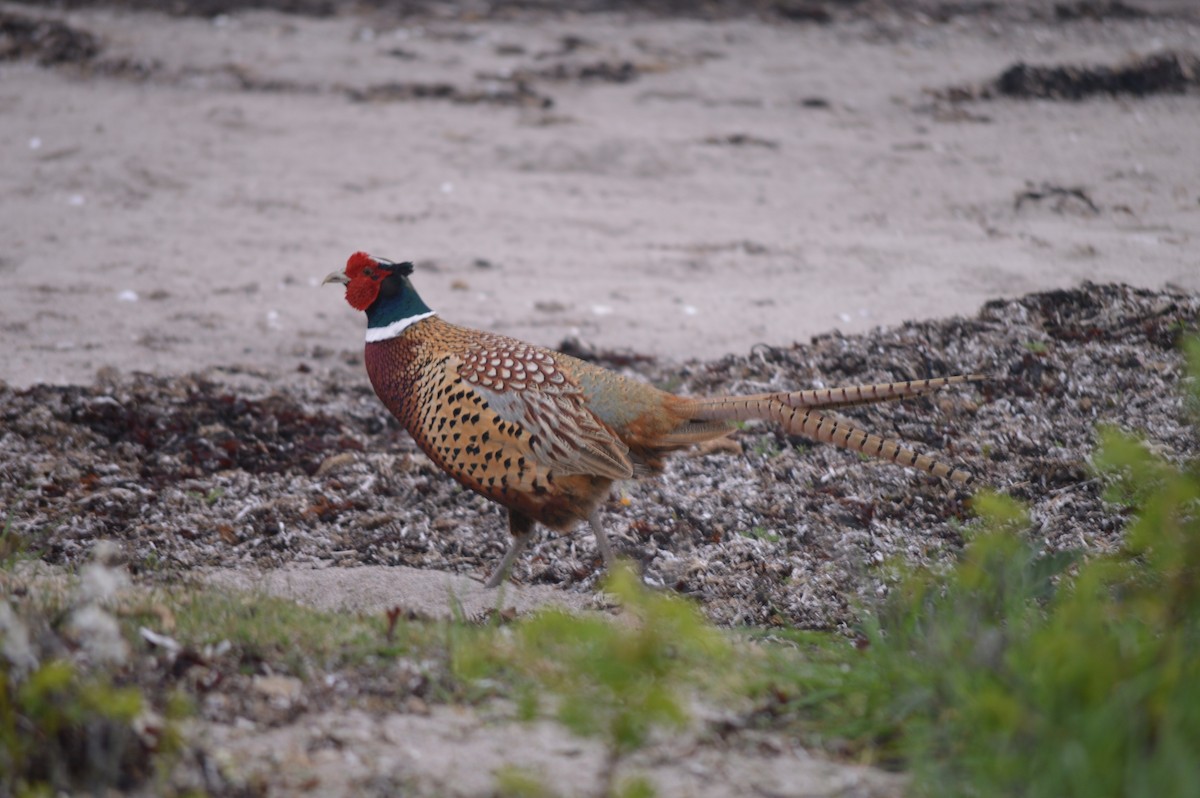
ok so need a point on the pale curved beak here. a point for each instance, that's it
(336, 277)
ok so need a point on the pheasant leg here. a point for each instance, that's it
(601, 539)
(521, 527)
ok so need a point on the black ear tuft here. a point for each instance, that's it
(400, 269)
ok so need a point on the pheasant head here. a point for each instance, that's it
(381, 288)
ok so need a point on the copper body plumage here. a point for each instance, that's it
(545, 434)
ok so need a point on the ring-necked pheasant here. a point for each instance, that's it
(544, 434)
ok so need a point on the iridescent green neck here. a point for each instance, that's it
(394, 311)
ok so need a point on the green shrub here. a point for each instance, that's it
(615, 680)
(62, 729)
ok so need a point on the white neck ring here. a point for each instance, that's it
(394, 329)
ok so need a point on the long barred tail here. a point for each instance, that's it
(839, 433)
(807, 421)
(855, 395)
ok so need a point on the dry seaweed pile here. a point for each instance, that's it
(48, 41)
(1158, 73)
(189, 471)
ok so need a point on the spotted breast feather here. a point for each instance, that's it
(501, 418)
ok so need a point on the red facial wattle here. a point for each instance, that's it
(365, 275)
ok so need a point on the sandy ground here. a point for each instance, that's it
(373, 590)
(173, 203)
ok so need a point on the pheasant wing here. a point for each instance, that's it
(525, 386)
